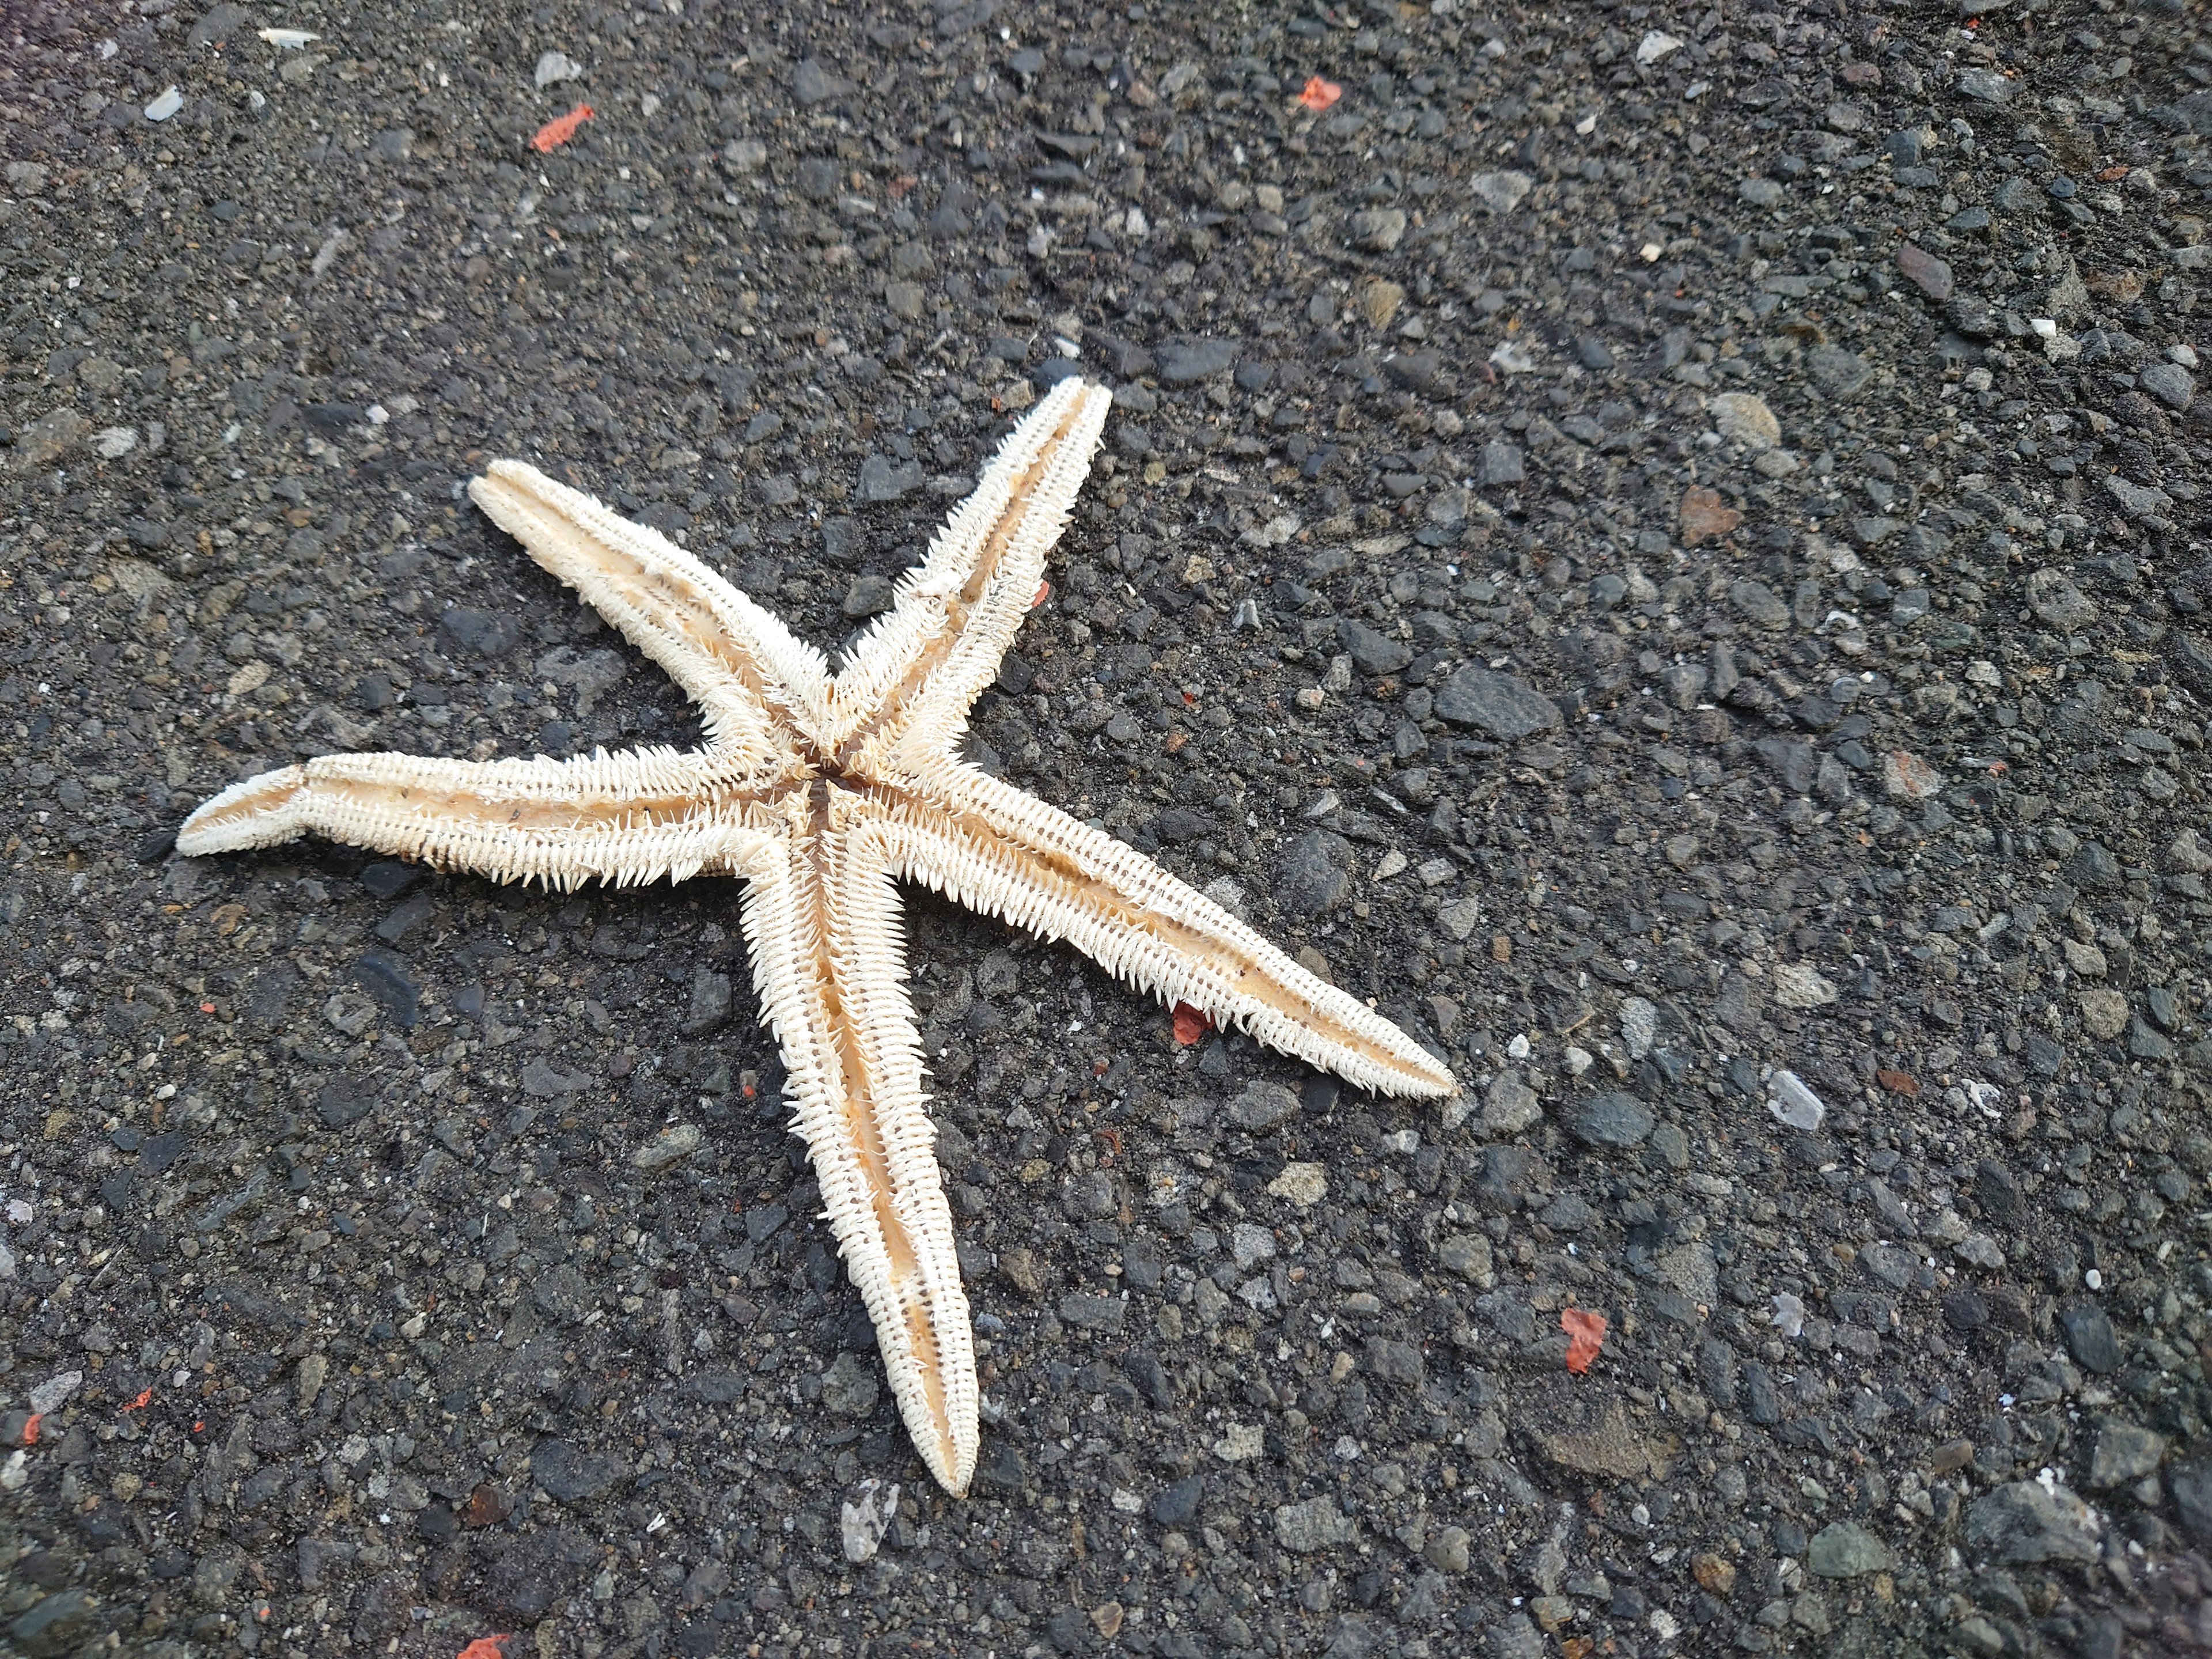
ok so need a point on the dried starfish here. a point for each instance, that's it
(822, 793)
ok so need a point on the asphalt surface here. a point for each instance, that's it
(1665, 547)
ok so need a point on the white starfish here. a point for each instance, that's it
(821, 794)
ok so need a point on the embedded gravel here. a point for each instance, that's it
(1664, 546)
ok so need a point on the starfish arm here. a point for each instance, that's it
(823, 922)
(729, 654)
(625, 818)
(956, 613)
(995, 849)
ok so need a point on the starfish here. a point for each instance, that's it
(821, 792)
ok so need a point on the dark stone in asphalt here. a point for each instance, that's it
(2089, 1337)
(343, 1102)
(1177, 1506)
(1310, 879)
(570, 1475)
(1611, 1120)
(483, 633)
(1373, 652)
(1497, 704)
(1184, 361)
(389, 981)
(2192, 1498)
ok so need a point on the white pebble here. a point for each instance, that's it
(1792, 1103)
(1639, 1025)
(49, 1395)
(166, 105)
(1788, 1314)
(554, 66)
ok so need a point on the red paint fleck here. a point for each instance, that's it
(561, 129)
(1585, 1337)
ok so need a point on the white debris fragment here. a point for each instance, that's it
(1788, 1314)
(554, 66)
(288, 40)
(1654, 46)
(1793, 1102)
(1502, 190)
(324, 254)
(865, 1518)
(1240, 1442)
(166, 104)
(50, 1395)
(1800, 985)
(1639, 1025)
(1513, 358)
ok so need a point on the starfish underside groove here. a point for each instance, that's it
(822, 793)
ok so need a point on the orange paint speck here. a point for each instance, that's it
(561, 129)
(1319, 94)
(1585, 1337)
